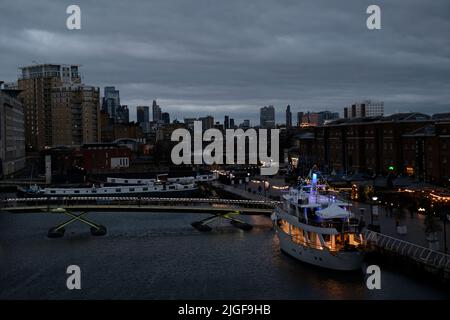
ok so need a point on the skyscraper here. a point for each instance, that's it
(299, 118)
(267, 117)
(156, 110)
(37, 83)
(111, 101)
(231, 123)
(165, 117)
(122, 114)
(142, 114)
(288, 117)
(226, 123)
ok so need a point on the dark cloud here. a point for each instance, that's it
(214, 57)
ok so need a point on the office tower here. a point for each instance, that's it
(367, 108)
(12, 132)
(288, 117)
(76, 115)
(299, 118)
(267, 117)
(156, 110)
(231, 123)
(142, 114)
(207, 122)
(226, 122)
(36, 83)
(111, 101)
(122, 114)
(165, 117)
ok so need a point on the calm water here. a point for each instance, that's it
(160, 256)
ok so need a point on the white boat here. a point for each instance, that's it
(319, 229)
(150, 190)
(182, 180)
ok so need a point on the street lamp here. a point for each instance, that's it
(372, 227)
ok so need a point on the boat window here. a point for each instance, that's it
(131, 189)
(145, 189)
(172, 187)
(52, 191)
(94, 191)
(118, 190)
(139, 181)
(126, 181)
(77, 191)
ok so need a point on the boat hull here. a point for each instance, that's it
(343, 261)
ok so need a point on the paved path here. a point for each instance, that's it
(414, 224)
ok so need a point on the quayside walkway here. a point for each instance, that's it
(431, 260)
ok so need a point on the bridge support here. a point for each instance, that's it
(59, 230)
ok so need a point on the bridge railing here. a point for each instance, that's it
(423, 255)
(138, 201)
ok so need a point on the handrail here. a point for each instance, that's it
(148, 199)
(415, 251)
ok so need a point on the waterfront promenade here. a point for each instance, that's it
(414, 223)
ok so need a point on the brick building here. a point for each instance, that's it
(412, 144)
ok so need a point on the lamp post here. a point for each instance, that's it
(371, 209)
(372, 226)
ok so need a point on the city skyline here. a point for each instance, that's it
(280, 58)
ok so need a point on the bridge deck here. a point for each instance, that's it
(138, 204)
(142, 208)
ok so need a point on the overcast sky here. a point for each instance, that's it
(200, 57)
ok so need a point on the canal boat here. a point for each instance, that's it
(160, 178)
(318, 228)
(148, 190)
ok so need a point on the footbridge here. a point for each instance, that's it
(123, 204)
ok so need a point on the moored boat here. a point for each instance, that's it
(319, 228)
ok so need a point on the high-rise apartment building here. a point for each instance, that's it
(36, 83)
(75, 115)
(267, 117)
(226, 123)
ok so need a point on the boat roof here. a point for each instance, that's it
(333, 211)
